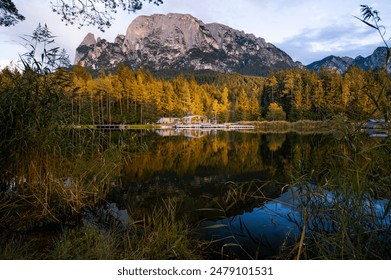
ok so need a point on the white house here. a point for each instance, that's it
(193, 119)
(168, 121)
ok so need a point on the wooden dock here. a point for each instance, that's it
(210, 126)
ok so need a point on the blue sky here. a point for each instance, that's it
(308, 30)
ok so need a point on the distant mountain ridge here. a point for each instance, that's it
(181, 42)
(341, 64)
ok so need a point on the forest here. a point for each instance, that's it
(137, 97)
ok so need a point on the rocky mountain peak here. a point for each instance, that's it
(88, 40)
(180, 32)
(181, 42)
(85, 46)
(376, 60)
(339, 64)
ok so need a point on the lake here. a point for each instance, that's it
(246, 193)
(200, 168)
(231, 186)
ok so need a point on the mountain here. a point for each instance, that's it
(374, 61)
(181, 42)
(341, 64)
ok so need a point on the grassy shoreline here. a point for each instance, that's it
(117, 126)
(300, 127)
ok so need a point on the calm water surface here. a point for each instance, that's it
(231, 186)
(207, 173)
(195, 168)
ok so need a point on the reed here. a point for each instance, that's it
(341, 225)
(345, 213)
(165, 236)
(158, 235)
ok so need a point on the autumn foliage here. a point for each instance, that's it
(129, 96)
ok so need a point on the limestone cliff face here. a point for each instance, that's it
(180, 42)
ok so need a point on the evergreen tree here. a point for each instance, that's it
(224, 106)
(275, 112)
(254, 110)
(242, 107)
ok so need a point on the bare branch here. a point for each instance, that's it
(95, 12)
(9, 14)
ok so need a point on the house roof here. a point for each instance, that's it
(193, 116)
